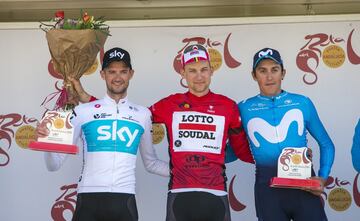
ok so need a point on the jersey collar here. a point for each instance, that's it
(277, 97)
(196, 98)
(111, 101)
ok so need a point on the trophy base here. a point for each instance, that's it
(295, 183)
(53, 147)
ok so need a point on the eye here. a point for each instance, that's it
(111, 71)
(192, 71)
(204, 69)
(275, 70)
(262, 71)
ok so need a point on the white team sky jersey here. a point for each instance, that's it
(111, 134)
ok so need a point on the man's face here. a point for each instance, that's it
(117, 76)
(269, 75)
(198, 77)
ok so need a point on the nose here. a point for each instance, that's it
(269, 76)
(117, 76)
(198, 76)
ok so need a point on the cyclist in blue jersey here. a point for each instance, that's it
(276, 119)
(355, 150)
(112, 130)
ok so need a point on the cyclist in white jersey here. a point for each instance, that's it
(112, 130)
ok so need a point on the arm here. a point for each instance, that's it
(237, 138)
(229, 154)
(158, 111)
(84, 97)
(151, 162)
(355, 150)
(54, 161)
(327, 149)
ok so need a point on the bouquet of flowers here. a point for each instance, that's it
(74, 45)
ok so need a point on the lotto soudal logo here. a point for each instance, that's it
(198, 132)
(197, 126)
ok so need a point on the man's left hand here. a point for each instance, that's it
(318, 191)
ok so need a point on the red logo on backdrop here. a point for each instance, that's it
(235, 204)
(216, 59)
(66, 201)
(338, 193)
(327, 47)
(8, 123)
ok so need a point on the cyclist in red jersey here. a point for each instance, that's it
(198, 123)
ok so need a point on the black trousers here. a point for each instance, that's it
(105, 207)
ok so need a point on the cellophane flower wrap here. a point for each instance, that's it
(74, 45)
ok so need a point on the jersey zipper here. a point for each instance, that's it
(275, 119)
(276, 122)
(114, 153)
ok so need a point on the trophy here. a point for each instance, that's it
(60, 134)
(73, 45)
(294, 170)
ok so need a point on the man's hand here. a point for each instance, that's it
(309, 154)
(41, 130)
(84, 97)
(318, 191)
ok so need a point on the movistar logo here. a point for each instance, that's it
(265, 53)
(108, 132)
(277, 133)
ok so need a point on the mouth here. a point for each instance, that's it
(270, 84)
(117, 83)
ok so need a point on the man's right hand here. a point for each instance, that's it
(84, 97)
(41, 130)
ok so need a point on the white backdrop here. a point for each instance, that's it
(29, 192)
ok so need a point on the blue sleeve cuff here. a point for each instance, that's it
(324, 172)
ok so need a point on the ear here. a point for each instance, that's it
(211, 71)
(132, 73)
(283, 74)
(102, 74)
(254, 75)
(182, 72)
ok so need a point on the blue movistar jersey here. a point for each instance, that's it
(355, 150)
(274, 123)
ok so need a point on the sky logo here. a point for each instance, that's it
(112, 132)
(112, 136)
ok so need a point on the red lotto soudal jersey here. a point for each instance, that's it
(198, 128)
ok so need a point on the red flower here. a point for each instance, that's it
(86, 17)
(60, 14)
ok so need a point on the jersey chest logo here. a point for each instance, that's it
(197, 132)
(112, 135)
(277, 133)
